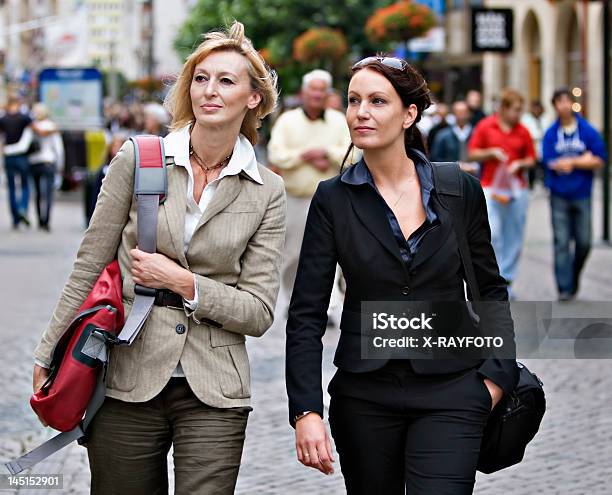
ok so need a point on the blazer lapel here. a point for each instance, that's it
(175, 208)
(435, 239)
(226, 192)
(373, 216)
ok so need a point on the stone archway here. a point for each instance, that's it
(568, 70)
(532, 55)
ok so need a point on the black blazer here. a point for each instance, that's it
(347, 224)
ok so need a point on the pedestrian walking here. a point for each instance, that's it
(534, 121)
(185, 381)
(450, 144)
(116, 141)
(505, 150)
(442, 122)
(307, 145)
(572, 151)
(334, 100)
(156, 119)
(15, 126)
(45, 164)
(400, 425)
(474, 100)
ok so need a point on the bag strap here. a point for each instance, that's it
(449, 186)
(150, 189)
(64, 438)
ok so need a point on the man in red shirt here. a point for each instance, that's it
(506, 151)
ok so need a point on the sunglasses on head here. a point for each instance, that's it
(392, 62)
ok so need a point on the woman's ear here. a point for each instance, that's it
(410, 115)
(254, 100)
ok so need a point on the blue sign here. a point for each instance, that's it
(73, 96)
(438, 6)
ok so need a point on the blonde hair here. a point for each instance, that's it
(40, 111)
(263, 80)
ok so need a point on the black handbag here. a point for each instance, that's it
(512, 424)
(516, 419)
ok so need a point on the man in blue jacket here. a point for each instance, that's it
(571, 151)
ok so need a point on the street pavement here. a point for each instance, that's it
(572, 453)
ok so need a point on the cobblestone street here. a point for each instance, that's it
(571, 455)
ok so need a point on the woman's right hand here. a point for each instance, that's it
(39, 377)
(312, 443)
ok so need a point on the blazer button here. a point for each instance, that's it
(180, 329)
(406, 290)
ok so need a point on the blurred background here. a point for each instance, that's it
(118, 55)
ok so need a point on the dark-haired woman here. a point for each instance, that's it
(400, 425)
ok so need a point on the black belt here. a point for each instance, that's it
(165, 297)
(169, 299)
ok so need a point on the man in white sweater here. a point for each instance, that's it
(307, 145)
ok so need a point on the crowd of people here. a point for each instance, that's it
(509, 151)
(34, 152)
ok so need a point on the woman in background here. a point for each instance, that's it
(45, 164)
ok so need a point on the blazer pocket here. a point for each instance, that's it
(220, 337)
(124, 364)
(235, 374)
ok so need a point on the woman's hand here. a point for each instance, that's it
(39, 377)
(312, 443)
(160, 272)
(496, 392)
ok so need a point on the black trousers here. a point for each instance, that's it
(397, 432)
(44, 182)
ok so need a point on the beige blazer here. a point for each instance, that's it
(235, 253)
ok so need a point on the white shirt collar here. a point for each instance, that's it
(462, 134)
(176, 144)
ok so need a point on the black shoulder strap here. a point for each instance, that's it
(449, 186)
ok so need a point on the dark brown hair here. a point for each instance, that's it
(559, 93)
(411, 88)
(509, 97)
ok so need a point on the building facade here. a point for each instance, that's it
(556, 43)
(134, 37)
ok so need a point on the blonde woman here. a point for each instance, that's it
(45, 164)
(185, 381)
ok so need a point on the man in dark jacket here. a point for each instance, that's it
(450, 143)
(15, 127)
(474, 101)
